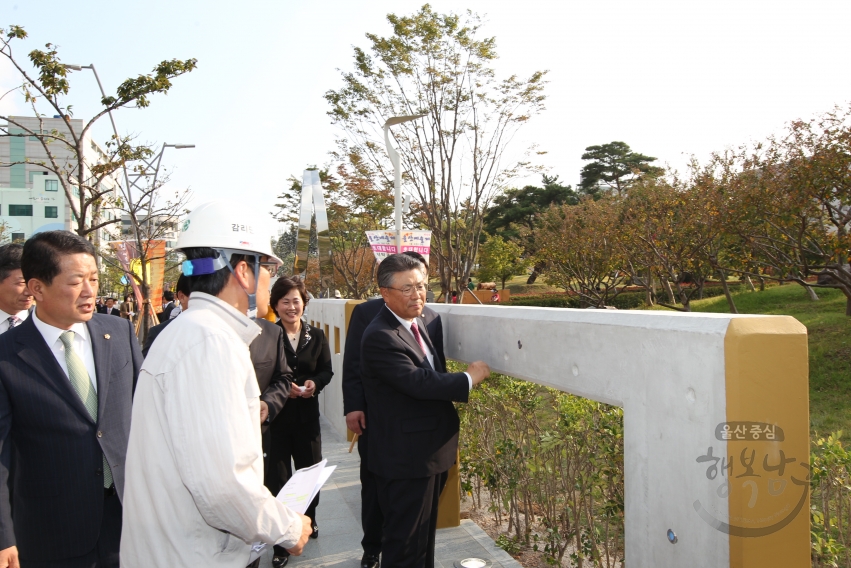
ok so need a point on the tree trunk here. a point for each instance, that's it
(648, 287)
(761, 284)
(667, 285)
(684, 298)
(727, 294)
(536, 271)
(847, 291)
(811, 293)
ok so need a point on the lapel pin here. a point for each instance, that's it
(106, 336)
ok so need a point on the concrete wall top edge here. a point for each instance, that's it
(676, 321)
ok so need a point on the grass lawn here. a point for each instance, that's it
(517, 285)
(829, 341)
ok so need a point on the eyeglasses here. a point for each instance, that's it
(270, 265)
(409, 290)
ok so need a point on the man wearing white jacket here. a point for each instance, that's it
(194, 493)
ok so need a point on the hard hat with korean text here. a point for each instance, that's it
(226, 225)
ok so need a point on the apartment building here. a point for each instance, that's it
(31, 198)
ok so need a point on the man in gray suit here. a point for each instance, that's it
(66, 389)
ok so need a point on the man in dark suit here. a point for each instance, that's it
(66, 388)
(274, 376)
(354, 407)
(168, 305)
(110, 308)
(413, 423)
(15, 297)
(184, 289)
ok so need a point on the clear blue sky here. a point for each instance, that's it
(671, 78)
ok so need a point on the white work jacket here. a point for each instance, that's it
(194, 493)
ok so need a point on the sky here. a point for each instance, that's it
(670, 78)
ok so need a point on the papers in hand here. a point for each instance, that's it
(304, 485)
(298, 493)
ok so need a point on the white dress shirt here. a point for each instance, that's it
(82, 345)
(4, 319)
(429, 355)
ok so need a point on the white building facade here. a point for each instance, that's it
(31, 198)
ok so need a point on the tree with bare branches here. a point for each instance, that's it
(455, 159)
(84, 179)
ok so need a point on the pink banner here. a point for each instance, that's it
(383, 243)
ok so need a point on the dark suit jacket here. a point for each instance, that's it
(164, 315)
(116, 311)
(58, 477)
(363, 314)
(311, 361)
(413, 425)
(270, 365)
(152, 334)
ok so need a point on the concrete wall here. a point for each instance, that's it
(678, 377)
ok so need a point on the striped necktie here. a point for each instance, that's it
(82, 383)
(416, 331)
(14, 321)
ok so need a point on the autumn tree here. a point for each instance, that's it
(360, 206)
(82, 178)
(664, 228)
(580, 246)
(455, 158)
(614, 167)
(795, 191)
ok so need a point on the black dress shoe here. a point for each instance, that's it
(280, 561)
(315, 533)
(370, 561)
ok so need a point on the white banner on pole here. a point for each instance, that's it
(383, 243)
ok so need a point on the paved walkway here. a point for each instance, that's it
(338, 516)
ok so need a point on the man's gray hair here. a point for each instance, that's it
(394, 264)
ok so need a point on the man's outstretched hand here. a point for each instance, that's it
(479, 371)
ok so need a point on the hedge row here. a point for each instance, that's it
(623, 301)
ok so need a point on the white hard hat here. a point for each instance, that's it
(225, 225)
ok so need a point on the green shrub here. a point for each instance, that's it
(551, 464)
(545, 301)
(830, 511)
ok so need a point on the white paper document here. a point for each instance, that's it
(297, 494)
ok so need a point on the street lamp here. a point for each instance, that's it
(118, 139)
(397, 178)
(160, 159)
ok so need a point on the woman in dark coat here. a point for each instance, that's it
(295, 430)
